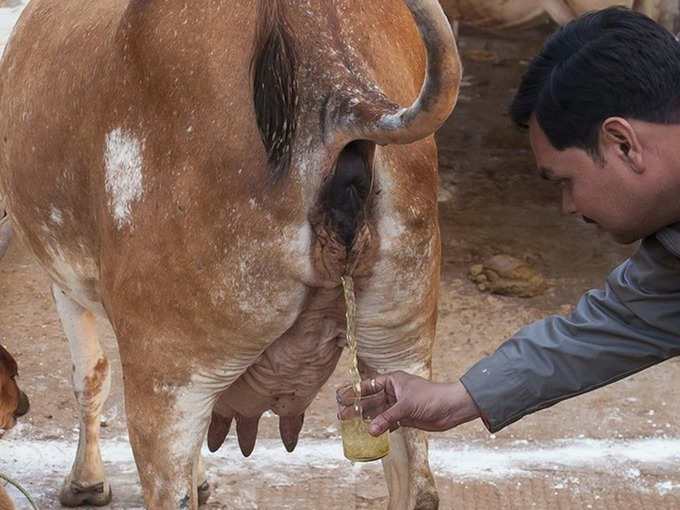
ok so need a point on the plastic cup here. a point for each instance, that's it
(358, 444)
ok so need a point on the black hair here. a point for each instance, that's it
(612, 62)
(275, 91)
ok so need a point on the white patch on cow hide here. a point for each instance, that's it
(392, 121)
(70, 271)
(56, 216)
(123, 162)
(391, 232)
(390, 224)
(297, 251)
(85, 349)
(193, 405)
(190, 412)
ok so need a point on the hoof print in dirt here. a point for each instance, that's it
(508, 276)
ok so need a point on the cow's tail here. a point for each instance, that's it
(385, 124)
(274, 86)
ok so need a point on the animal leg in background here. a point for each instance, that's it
(6, 234)
(87, 483)
(167, 422)
(407, 461)
(559, 11)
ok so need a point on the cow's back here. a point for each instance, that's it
(494, 14)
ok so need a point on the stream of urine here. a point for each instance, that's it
(358, 444)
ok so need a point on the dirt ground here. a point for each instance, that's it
(616, 448)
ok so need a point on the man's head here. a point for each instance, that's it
(602, 103)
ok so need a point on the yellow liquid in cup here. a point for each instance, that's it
(359, 445)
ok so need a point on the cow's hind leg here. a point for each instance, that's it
(168, 414)
(203, 485)
(87, 483)
(407, 470)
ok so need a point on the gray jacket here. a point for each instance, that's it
(630, 325)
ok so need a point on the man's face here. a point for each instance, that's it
(603, 192)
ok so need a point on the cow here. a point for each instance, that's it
(202, 178)
(13, 403)
(508, 14)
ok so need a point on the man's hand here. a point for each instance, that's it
(411, 401)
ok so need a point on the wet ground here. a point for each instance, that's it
(616, 448)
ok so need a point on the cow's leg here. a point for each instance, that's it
(407, 471)
(559, 11)
(87, 483)
(168, 416)
(647, 7)
(664, 12)
(203, 485)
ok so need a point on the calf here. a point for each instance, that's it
(13, 403)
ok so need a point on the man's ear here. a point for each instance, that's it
(617, 136)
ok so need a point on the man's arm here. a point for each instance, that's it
(630, 325)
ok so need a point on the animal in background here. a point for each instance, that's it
(13, 403)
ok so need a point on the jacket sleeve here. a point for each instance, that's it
(630, 325)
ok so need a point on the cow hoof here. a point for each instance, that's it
(75, 494)
(427, 500)
(203, 493)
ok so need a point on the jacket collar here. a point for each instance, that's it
(670, 238)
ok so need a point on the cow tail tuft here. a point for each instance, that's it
(275, 94)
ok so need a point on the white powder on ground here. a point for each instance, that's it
(29, 460)
(8, 17)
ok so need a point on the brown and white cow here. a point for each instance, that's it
(13, 403)
(202, 176)
(503, 14)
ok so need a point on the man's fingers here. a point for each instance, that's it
(373, 385)
(387, 420)
(368, 387)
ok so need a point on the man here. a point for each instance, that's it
(602, 104)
